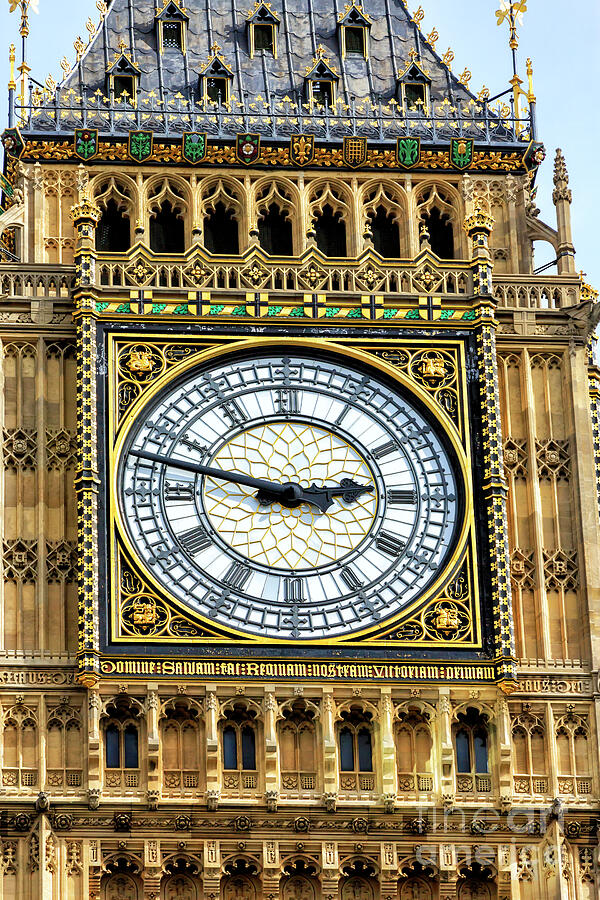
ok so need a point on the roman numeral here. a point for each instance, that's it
(292, 590)
(234, 412)
(287, 400)
(389, 544)
(398, 496)
(385, 449)
(179, 492)
(237, 575)
(193, 445)
(351, 579)
(342, 415)
(194, 540)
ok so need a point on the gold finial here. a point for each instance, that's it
(101, 7)
(215, 49)
(465, 78)
(91, 27)
(12, 84)
(448, 58)
(418, 16)
(432, 38)
(530, 94)
(122, 46)
(413, 55)
(79, 47)
(512, 11)
(65, 65)
(484, 94)
(51, 84)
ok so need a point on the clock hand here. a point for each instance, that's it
(288, 494)
(322, 497)
(280, 491)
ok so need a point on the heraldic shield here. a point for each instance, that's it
(408, 152)
(193, 146)
(461, 152)
(302, 149)
(355, 151)
(140, 145)
(86, 143)
(247, 148)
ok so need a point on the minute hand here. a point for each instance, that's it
(272, 487)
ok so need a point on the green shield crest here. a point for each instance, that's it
(408, 152)
(461, 152)
(140, 145)
(193, 146)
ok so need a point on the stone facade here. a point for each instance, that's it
(114, 786)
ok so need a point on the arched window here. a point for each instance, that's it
(64, 748)
(529, 755)
(441, 235)
(20, 751)
(180, 728)
(385, 233)
(471, 748)
(355, 746)
(221, 233)
(413, 749)
(167, 229)
(113, 232)
(330, 232)
(573, 750)
(239, 750)
(437, 213)
(121, 744)
(297, 748)
(275, 232)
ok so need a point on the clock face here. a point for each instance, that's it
(330, 505)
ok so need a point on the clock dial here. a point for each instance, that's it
(289, 497)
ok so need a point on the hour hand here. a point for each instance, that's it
(321, 497)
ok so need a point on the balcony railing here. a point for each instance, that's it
(275, 118)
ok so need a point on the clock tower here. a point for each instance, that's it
(300, 471)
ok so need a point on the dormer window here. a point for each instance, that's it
(354, 26)
(215, 79)
(171, 24)
(217, 90)
(321, 79)
(262, 24)
(322, 92)
(414, 86)
(123, 77)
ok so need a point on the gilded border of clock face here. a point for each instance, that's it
(227, 346)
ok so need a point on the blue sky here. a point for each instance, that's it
(562, 39)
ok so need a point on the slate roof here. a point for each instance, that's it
(304, 25)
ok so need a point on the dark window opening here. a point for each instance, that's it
(172, 35)
(386, 234)
(322, 92)
(365, 753)
(275, 233)
(263, 38)
(216, 89)
(229, 748)
(355, 41)
(414, 92)
(346, 750)
(441, 236)
(124, 84)
(167, 231)
(131, 747)
(111, 738)
(330, 233)
(113, 232)
(221, 231)
(463, 752)
(481, 753)
(248, 749)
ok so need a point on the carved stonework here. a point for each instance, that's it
(20, 561)
(60, 449)
(20, 448)
(61, 561)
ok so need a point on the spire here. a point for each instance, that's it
(562, 198)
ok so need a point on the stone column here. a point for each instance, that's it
(212, 745)
(330, 774)
(562, 198)
(211, 878)
(271, 767)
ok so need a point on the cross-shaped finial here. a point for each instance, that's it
(122, 46)
(215, 49)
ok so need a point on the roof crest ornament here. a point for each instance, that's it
(320, 58)
(260, 5)
(354, 7)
